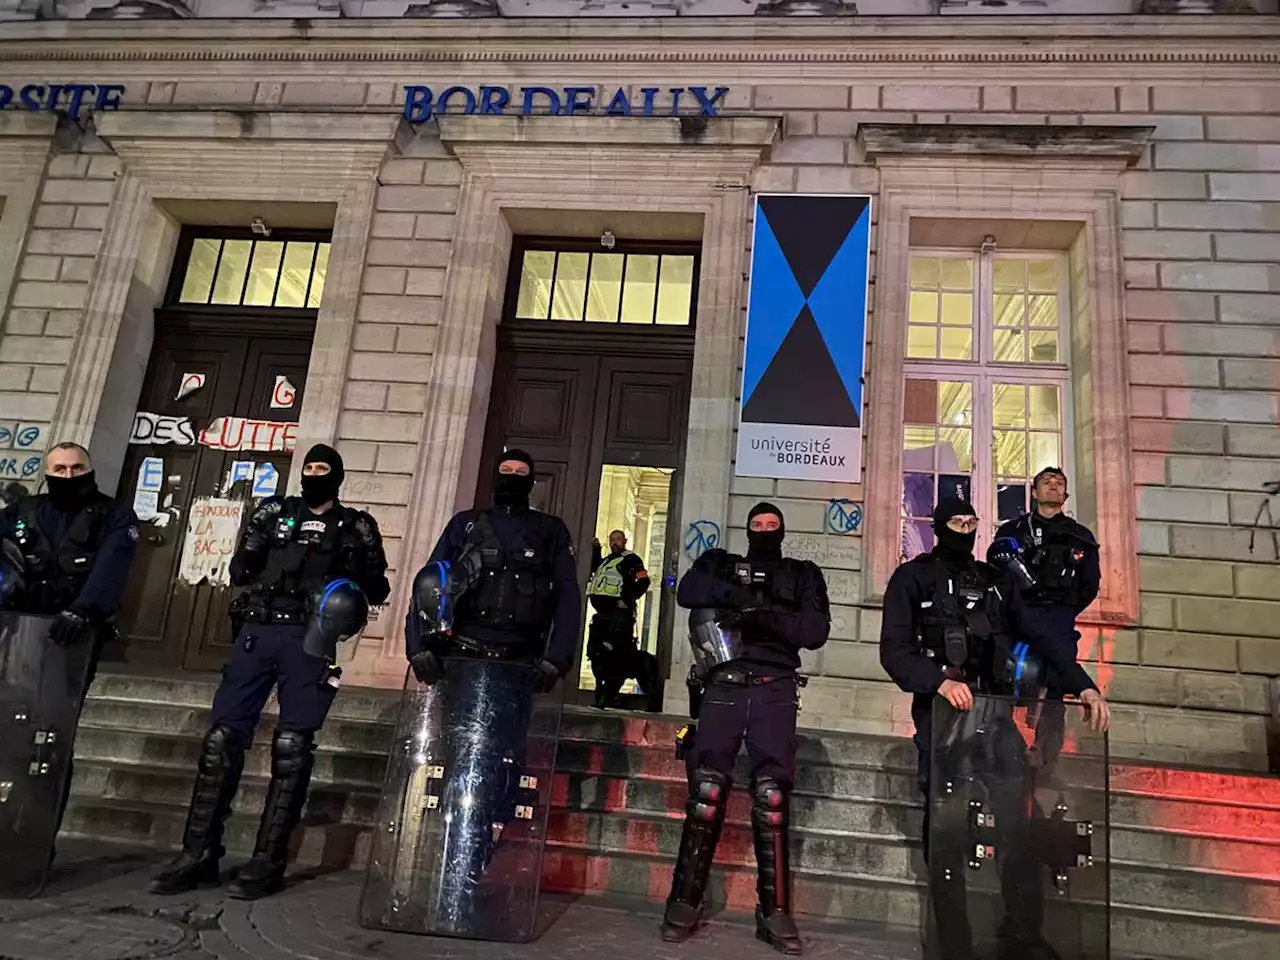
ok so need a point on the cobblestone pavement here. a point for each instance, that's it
(97, 907)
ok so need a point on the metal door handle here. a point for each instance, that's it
(155, 538)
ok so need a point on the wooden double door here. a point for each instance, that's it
(250, 380)
(576, 400)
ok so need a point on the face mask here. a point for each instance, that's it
(955, 544)
(765, 543)
(512, 489)
(319, 490)
(69, 492)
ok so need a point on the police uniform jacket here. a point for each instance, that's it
(1062, 555)
(788, 600)
(531, 599)
(914, 604)
(289, 552)
(75, 560)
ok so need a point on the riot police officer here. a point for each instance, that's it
(618, 581)
(1061, 556)
(67, 554)
(519, 596)
(947, 631)
(76, 543)
(313, 566)
(780, 607)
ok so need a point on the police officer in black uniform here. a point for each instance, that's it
(947, 630)
(76, 546)
(1061, 555)
(520, 597)
(299, 557)
(618, 581)
(780, 606)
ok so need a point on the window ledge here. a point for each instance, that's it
(1040, 141)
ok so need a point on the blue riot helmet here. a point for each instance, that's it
(1024, 672)
(1005, 553)
(434, 589)
(338, 613)
(12, 575)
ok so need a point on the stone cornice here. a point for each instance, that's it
(15, 123)
(1102, 142)
(843, 40)
(246, 125)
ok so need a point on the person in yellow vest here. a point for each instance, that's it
(618, 581)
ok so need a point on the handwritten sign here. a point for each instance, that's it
(189, 384)
(158, 428)
(241, 433)
(212, 531)
(284, 394)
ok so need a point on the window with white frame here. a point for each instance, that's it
(987, 384)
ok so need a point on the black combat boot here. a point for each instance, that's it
(217, 777)
(769, 816)
(704, 818)
(1016, 941)
(291, 762)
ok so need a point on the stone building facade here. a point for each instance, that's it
(1138, 149)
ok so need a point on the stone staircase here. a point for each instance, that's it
(1195, 853)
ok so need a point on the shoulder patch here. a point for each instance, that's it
(134, 534)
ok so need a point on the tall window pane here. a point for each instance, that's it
(295, 274)
(264, 271)
(937, 454)
(940, 309)
(536, 272)
(675, 290)
(228, 286)
(604, 292)
(570, 292)
(318, 274)
(198, 282)
(640, 292)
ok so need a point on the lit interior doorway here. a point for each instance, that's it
(635, 500)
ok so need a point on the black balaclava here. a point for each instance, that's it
(953, 545)
(319, 490)
(765, 544)
(513, 489)
(71, 493)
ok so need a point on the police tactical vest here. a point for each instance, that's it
(509, 583)
(305, 551)
(954, 626)
(1054, 555)
(56, 572)
(608, 580)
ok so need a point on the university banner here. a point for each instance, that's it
(801, 414)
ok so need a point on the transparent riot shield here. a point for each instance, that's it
(42, 687)
(1018, 833)
(463, 815)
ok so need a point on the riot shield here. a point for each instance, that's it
(42, 686)
(1018, 833)
(463, 815)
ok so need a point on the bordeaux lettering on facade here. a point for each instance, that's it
(420, 103)
(68, 98)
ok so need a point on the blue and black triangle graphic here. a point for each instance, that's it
(806, 328)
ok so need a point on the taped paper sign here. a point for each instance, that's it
(240, 470)
(265, 480)
(212, 530)
(284, 394)
(146, 504)
(151, 474)
(156, 428)
(239, 433)
(189, 384)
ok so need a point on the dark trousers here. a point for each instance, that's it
(761, 714)
(266, 656)
(616, 658)
(1056, 625)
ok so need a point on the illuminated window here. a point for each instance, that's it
(234, 271)
(606, 287)
(986, 385)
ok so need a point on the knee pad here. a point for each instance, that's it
(291, 752)
(769, 803)
(710, 795)
(220, 750)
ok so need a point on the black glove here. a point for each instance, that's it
(426, 667)
(66, 628)
(546, 677)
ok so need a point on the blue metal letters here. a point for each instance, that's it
(68, 98)
(420, 102)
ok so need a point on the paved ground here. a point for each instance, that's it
(96, 907)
